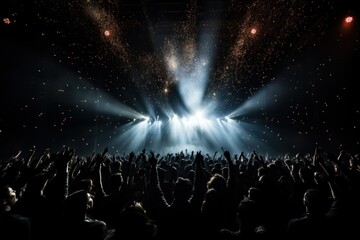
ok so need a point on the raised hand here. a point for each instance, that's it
(227, 155)
(105, 151)
(152, 159)
(214, 155)
(131, 156)
(64, 157)
(99, 159)
(199, 157)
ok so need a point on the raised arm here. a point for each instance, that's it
(156, 195)
(199, 188)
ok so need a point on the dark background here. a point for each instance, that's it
(56, 63)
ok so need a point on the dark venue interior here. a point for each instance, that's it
(91, 74)
(183, 119)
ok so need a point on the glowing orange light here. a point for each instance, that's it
(6, 20)
(349, 19)
(107, 33)
(253, 31)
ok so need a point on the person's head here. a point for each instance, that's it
(133, 223)
(115, 166)
(314, 201)
(7, 198)
(218, 182)
(254, 194)
(182, 189)
(134, 214)
(86, 184)
(77, 204)
(261, 171)
(211, 203)
(115, 181)
(216, 169)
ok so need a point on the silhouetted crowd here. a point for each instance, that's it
(59, 195)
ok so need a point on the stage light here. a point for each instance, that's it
(349, 19)
(107, 33)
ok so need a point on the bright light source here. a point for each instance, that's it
(349, 19)
(172, 63)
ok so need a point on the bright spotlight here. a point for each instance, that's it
(199, 115)
(107, 33)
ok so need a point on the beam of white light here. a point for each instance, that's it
(191, 76)
(88, 97)
(192, 87)
(267, 98)
(201, 129)
(133, 136)
(112, 106)
(71, 89)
